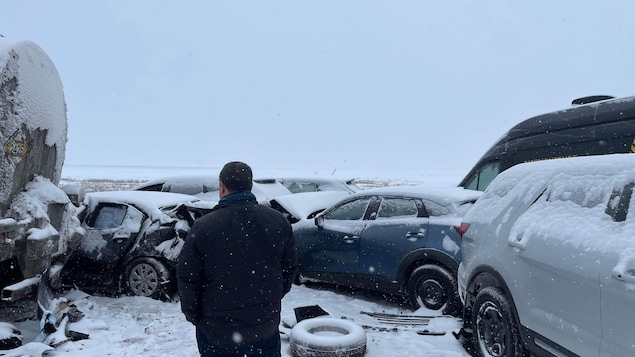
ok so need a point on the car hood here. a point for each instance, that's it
(301, 205)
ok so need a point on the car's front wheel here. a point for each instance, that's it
(435, 288)
(496, 331)
(147, 277)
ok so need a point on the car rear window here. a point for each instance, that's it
(435, 209)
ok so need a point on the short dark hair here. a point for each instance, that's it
(236, 176)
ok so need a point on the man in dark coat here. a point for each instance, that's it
(237, 263)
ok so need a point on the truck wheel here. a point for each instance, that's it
(146, 277)
(496, 331)
(435, 288)
(327, 337)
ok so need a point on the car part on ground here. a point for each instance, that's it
(397, 240)
(10, 336)
(399, 322)
(552, 241)
(327, 337)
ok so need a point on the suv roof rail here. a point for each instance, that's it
(590, 99)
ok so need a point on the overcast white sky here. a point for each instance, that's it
(333, 84)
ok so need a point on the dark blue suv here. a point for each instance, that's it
(398, 240)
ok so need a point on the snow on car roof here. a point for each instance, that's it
(263, 191)
(267, 191)
(326, 183)
(529, 178)
(150, 202)
(306, 179)
(588, 179)
(182, 179)
(439, 194)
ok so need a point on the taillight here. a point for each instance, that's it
(462, 229)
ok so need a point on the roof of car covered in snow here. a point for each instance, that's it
(439, 194)
(152, 203)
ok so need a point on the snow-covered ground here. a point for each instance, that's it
(135, 326)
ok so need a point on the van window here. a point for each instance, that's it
(483, 176)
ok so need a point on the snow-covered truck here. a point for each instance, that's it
(37, 219)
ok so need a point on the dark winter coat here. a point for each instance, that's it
(237, 263)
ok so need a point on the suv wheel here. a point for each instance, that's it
(146, 277)
(435, 288)
(496, 331)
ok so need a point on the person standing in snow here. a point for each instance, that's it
(237, 263)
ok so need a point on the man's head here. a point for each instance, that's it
(235, 176)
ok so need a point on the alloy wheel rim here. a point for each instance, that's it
(144, 280)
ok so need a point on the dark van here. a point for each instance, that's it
(595, 125)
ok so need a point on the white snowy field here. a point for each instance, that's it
(135, 326)
(123, 174)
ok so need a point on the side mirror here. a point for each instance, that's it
(319, 222)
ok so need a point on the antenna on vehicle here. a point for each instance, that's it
(590, 99)
(333, 171)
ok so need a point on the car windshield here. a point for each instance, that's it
(109, 217)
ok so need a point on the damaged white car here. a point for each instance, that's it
(132, 242)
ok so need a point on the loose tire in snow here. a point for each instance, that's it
(435, 288)
(146, 277)
(327, 337)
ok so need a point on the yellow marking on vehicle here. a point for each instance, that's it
(633, 146)
(16, 148)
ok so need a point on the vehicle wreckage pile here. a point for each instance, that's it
(37, 218)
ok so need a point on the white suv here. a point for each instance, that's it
(549, 260)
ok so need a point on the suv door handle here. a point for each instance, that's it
(517, 242)
(350, 239)
(415, 236)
